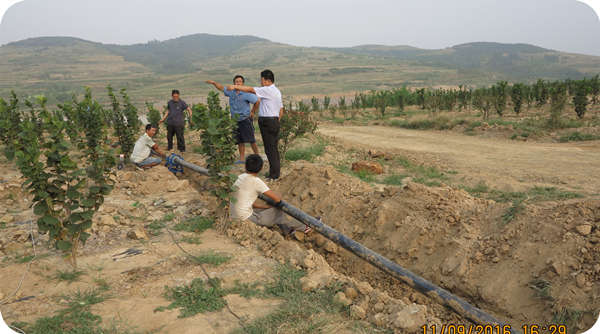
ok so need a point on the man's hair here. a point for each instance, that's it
(150, 126)
(239, 76)
(268, 75)
(254, 163)
(175, 91)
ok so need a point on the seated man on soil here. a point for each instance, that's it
(243, 204)
(144, 148)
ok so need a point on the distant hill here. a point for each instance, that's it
(59, 66)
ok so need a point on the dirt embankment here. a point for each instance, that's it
(461, 243)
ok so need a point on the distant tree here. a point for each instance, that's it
(421, 98)
(342, 106)
(499, 92)
(516, 96)
(580, 99)
(381, 103)
(483, 99)
(540, 92)
(464, 96)
(595, 89)
(558, 100)
(326, 102)
(315, 104)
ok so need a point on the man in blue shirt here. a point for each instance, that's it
(239, 104)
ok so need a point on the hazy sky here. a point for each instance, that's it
(566, 25)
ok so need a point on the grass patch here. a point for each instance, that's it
(535, 194)
(23, 258)
(361, 174)
(191, 240)
(512, 212)
(577, 136)
(394, 179)
(306, 153)
(542, 289)
(551, 194)
(567, 316)
(69, 276)
(198, 297)
(300, 312)
(155, 228)
(76, 318)
(429, 176)
(168, 217)
(438, 123)
(196, 224)
(364, 175)
(212, 258)
(102, 284)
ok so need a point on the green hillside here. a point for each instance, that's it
(60, 66)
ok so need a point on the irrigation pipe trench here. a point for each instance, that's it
(417, 282)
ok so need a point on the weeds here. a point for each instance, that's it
(395, 179)
(69, 276)
(198, 297)
(567, 316)
(191, 240)
(364, 175)
(542, 288)
(156, 227)
(196, 224)
(577, 136)
(511, 213)
(76, 318)
(212, 258)
(306, 153)
(300, 312)
(102, 284)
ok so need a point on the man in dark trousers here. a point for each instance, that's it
(175, 117)
(269, 114)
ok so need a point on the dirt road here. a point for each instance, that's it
(505, 164)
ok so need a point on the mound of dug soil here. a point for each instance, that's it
(461, 243)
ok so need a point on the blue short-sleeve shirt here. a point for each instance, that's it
(239, 103)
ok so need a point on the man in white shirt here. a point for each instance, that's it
(244, 206)
(142, 151)
(269, 114)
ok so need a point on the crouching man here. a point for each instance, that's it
(248, 187)
(144, 148)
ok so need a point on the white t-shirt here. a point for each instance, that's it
(248, 187)
(270, 101)
(142, 148)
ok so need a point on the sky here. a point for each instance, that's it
(564, 25)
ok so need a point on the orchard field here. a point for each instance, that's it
(489, 192)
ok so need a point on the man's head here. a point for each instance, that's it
(238, 80)
(151, 130)
(267, 78)
(254, 163)
(175, 95)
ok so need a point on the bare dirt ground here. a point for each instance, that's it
(541, 267)
(504, 164)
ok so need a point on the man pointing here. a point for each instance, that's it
(269, 114)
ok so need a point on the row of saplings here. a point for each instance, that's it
(67, 154)
(486, 99)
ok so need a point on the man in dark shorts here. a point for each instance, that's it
(239, 104)
(175, 117)
(271, 111)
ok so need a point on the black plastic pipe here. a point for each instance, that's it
(420, 284)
